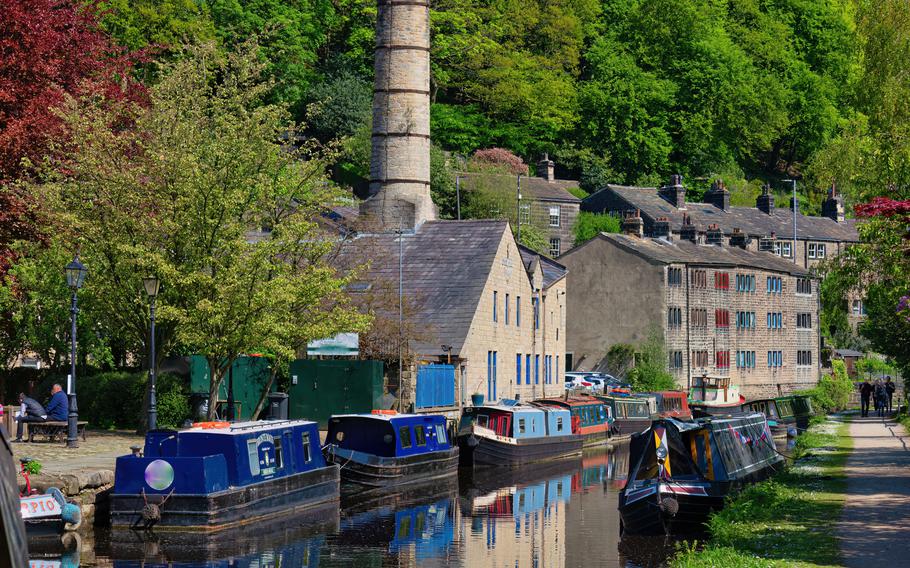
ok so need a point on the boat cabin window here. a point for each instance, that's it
(306, 447)
(278, 463)
(253, 454)
(339, 436)
(405, 434)
(559, 423)
(440, 434)
(420, 435)
(521, 425)
(483, 420)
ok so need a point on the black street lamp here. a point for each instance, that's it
(75, 277)
(152, 284)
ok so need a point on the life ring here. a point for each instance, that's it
(211, 425)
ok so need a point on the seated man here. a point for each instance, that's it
(58, 408)
(30, 411)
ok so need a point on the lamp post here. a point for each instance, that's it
(152, 284)
(75, 277)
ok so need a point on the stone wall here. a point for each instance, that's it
(613, 297)
(568, 213)
(761, 380)
(508, 278)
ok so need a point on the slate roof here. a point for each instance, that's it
(445, 265)
(679, 251)
(849, 353)
(751, 220)
(552, 271)
(535, 188)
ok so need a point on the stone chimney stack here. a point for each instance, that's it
(674, 192)
(633, 224)
(546, 168)
(714, 236)
(662, 228)
(833, 206)
(739, 238)
(400, 156)
(765, 201)
(718, 195)
(688, 231)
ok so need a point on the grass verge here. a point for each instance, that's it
(788, 520)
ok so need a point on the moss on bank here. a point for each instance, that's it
(788, 520)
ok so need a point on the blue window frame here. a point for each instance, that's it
(537, 369)
(491, 376)
(527, 369)
(535, 302)
(518, 369)
(556, 374)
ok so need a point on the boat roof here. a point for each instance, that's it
(571, 401)
(239, 428)
(386, 417)
(519, 408)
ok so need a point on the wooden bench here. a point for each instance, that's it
(54, 430)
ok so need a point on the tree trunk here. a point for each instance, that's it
(216, 377)
(265, 393)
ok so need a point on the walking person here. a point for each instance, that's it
(865, 393)
(881, 397)
(889, 389)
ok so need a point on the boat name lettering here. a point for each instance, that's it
(265, 438)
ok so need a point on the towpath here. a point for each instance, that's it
(875, 523)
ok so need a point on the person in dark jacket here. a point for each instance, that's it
(57, 410)
(881, 397)
(890, 388)
(865, 393)
(30, 411)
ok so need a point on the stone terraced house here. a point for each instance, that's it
(722, 310)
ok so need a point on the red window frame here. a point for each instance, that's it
(722, 359)
(721, 318)
(722, 280)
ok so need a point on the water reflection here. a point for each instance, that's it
(557, 514)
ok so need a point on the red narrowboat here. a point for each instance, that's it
(673, 404)
(591, 419)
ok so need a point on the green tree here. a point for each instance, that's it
(650, 371)
(177, 194)
(589, 225)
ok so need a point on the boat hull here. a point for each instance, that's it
(371, 471)
(232, 507)
(595, 439)
(647, 512)
(509, 452)
(623, 428)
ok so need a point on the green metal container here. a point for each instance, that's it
(320, 389)
(251, 375)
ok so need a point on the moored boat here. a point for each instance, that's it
(591, 419)
(679, 472)
(218, 475)
(384, 450)
(511, 434)
(714, 396)
(630, 413)
(673, 404)
(779, 414)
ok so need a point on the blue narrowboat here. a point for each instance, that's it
(591, 419)
(388, 450)
(218, 475)
(511, 434)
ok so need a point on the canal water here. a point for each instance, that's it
(558, 514)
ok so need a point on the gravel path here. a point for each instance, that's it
(875, 523)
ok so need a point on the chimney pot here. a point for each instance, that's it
(718, 196)
(833, 205)
(633, 224)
